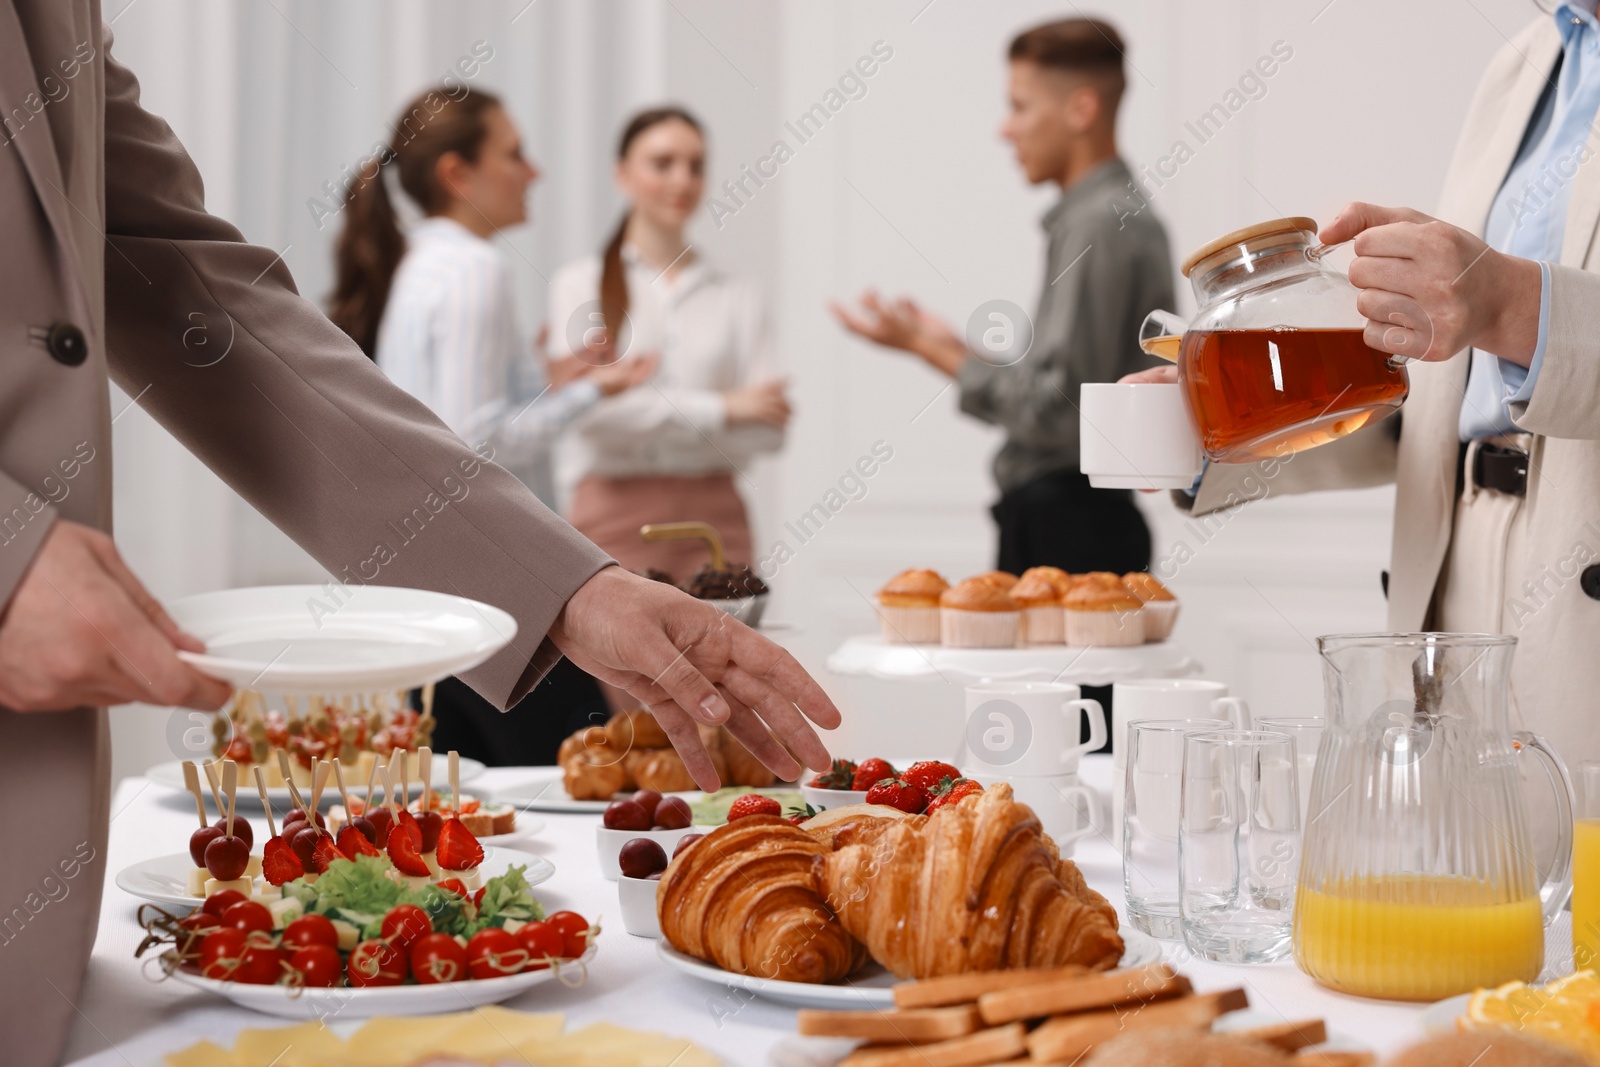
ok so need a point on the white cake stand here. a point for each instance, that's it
(870, 656)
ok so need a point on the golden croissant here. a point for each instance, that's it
(745, 898)
(976, 887)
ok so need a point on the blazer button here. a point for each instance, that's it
(1590, 581)
(66, 344)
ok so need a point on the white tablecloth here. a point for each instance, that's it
(126, 1020)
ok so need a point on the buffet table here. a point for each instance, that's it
(126, 1020)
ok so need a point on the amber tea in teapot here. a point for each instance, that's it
(1257, 393)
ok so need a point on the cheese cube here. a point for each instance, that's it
(432, 860)
(349, 936)
(285, 910)
(242, 885)
(198, 877)
(266, 893)
(252, 869)
(511, 926)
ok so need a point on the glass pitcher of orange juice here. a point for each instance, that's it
(1417, 873)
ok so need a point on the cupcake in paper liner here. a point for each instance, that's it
(1101, 611)
(1039, 593)
(908, 607)
(978, 614)
(739, 591)
(1160, 606)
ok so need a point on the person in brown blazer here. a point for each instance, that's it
(110, 264)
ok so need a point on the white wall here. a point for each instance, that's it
(907, 188)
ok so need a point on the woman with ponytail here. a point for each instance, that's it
(433, 305)
(668, 451)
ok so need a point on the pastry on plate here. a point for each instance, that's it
(629, 730)
(978, 614)
(1102, 611)
(908, 607)
(745, 897)
(976, 886)
(1160, 606)
(663, 770)
(999, 579)
(1483, 1049)
(1039, 593)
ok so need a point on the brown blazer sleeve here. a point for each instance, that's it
(209, 333)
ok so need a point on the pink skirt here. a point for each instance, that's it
(609, 512)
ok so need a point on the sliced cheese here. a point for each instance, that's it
(307, 1045)
(492, 1034)
(252, 868)
(204, 1054)
(349, 935)
(242, 885)
(432, 860)
(198, 877)
(387, 1041)
(266, 892)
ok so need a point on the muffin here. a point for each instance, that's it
(1101, 611)
(999, 579)
(908, 607)
(1038, 593)
(1160, 606)
(977, 614)
(739, 591)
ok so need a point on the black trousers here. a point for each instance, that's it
(1060, 520)
(529, 734)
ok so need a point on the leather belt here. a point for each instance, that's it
(1503, 469)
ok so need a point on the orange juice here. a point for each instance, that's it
(1415, 937)
(1586, 894)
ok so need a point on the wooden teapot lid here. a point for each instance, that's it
(1249, 233)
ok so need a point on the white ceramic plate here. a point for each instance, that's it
(542, 791)
(171, 775)
(165, 879)
(1440, 1018)
(301, 639)
(871, 987)
(384, 1000)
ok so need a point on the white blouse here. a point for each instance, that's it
(449, 337)
(711, 332)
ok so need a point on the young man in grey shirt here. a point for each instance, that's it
(1107, 266)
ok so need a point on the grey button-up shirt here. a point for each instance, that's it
(1107, 267)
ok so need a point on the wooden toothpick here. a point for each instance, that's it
(425, 769)
(455, 781)
(372, 775)
(344, 795)
(230, 785)
(261, 787)
(191, 782)
(211, 780)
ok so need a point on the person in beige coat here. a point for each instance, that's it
(1497, 513)
(110, 263)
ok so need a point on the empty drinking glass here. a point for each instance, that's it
(1151, 782)
(1307, 733)
(1238, 844)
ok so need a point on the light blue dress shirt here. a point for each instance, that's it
(1529, 213)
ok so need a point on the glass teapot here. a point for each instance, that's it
(1274, 361)
(1417, 874)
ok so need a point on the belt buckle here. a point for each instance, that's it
(1505, 470)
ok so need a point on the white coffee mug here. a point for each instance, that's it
(1163, 698)
(1029, 728)
(1137, 436)
(1067, 809)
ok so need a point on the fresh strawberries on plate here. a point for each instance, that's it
(279, 864)
(406, 854)
(352, 842)
(458, 849)
(753, 804)
(325, 853)
(953, 791)
(839, 776)
(929, 773)
(899, 793)
(869, 772)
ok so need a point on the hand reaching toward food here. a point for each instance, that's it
(1430, 289)
(764, 402)
(904, 325)
(690, 663)
(81, 630)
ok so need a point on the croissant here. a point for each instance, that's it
(856, 824)
(745, 898)
(589, 741)
(635, 729)
(976, 887)
(663, 771)
(743, 768)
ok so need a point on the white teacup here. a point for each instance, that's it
(1029, 728)
(1067, 809)
(1163, 698)
(1137, 436)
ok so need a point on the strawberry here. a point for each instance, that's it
(899, 793)
(800, 815)
(929, 773)
(458, 849)
(279, 864)
(841, 775)
(402, 817)
(953, 791)
(325, 853)
(753, 804)
(869, 772)
(352, 842)
(405, 853)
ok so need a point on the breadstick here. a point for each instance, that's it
(892, 1027)
(1069, 1037)
(967, 988)
(1318, 1058)
(1082, 994)
(1290, 1036)
(986, 1046)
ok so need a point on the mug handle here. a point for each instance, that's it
(1086, 811)
(1097, 727)
(1232, 708)
(1553, 894)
